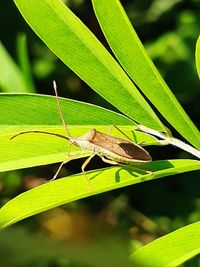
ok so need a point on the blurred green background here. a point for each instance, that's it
(127, 218)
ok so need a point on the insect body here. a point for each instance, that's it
(110, 149)
(118, 150)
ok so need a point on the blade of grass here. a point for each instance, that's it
(71, 188)
(130, 52)
(80, 50)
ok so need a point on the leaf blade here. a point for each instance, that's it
(79, 49)
(197, 56)
(9, 68)
(39, 112)
(24, 62)
(130, 52)
(172, 249)
(71, 188)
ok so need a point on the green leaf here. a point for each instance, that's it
(71, 188)
(80, 50)
(131, 54)
(37, 112)
(172, 249)
(8, 69)
(24, 62)
(197, 55)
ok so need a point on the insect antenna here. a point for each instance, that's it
(39, 132)
(60, 109)
(49, 133)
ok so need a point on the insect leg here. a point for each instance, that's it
(109, 129)
(63, 163)
(85, 163)
(112, 162)
(139, 170)
(68, 153)
(116, 163)
(119, 130)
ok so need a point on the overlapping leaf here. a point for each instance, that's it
(133, 57)
(80, 50)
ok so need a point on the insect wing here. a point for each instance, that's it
(120, 146)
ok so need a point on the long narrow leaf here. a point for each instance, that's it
(71, 188)
(170, 250)
(132, 55)
(36, 112)
(198, 56)
(79, 49)
(24, 61)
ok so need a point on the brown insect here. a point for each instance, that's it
(110, 149)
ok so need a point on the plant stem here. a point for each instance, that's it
(170, 140)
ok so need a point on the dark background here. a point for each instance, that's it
(134, 215)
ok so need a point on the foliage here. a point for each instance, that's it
(80, 50)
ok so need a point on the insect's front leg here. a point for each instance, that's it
(63, 163)
(59, 168)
